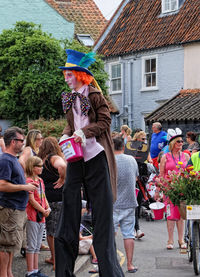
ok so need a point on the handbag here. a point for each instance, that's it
(39, 215)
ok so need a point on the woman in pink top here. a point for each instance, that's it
(170, 161)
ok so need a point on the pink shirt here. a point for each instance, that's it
(31, 212)
(171, 163)
(92, 148)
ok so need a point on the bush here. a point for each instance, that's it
(48, 127)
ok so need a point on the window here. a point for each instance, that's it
(85, 39)
(116, 77)
(149, 74)
(169, 5)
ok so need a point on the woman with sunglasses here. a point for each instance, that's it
(33, 142)
(173, 161)
(140, 136)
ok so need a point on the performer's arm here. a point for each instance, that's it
(103, 120)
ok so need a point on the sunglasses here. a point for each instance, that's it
(17, 139)
(179, 141)
(38, 165)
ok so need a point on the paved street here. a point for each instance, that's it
(19, 264)
(151, 257)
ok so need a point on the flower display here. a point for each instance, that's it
(182, 186)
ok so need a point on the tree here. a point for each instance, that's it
(30, 80)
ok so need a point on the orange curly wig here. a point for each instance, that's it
(83, 77)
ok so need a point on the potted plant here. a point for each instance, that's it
(182, 188)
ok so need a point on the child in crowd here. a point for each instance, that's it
(85, 245)
(36, 221)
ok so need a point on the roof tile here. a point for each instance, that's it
(85, 14)
(183, 106)
(141, 26)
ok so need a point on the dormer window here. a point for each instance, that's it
(170, 6)
(85, 39)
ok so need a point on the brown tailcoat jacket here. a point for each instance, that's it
(99, 127)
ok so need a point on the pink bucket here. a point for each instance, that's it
(158, 210)
(72, 151)
(136, 191)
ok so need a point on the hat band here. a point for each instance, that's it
(70, 65)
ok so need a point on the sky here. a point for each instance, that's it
(107, 7)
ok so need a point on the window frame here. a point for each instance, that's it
(144, 87)
(169, 10)
(111, 79)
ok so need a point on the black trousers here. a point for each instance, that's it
(95, 176)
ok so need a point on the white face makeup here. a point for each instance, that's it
(70, 79)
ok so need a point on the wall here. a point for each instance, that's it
(191, 66)
(37, 11)
(140, 103)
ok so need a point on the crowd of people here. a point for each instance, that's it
(167, 152)
(44, 165)
(40, 190)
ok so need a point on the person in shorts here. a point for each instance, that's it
(13, 199)
(35, 224)
(126, 203)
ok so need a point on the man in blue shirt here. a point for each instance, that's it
(13, 199)
(158, 141)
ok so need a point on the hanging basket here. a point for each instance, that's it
(182, 210)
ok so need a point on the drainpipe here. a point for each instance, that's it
(123, 90)
(129, 78)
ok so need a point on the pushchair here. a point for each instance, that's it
(144, 197)
(86, 218)
(86, 224)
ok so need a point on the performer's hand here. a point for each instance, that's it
(59, 183)
(77, 138)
